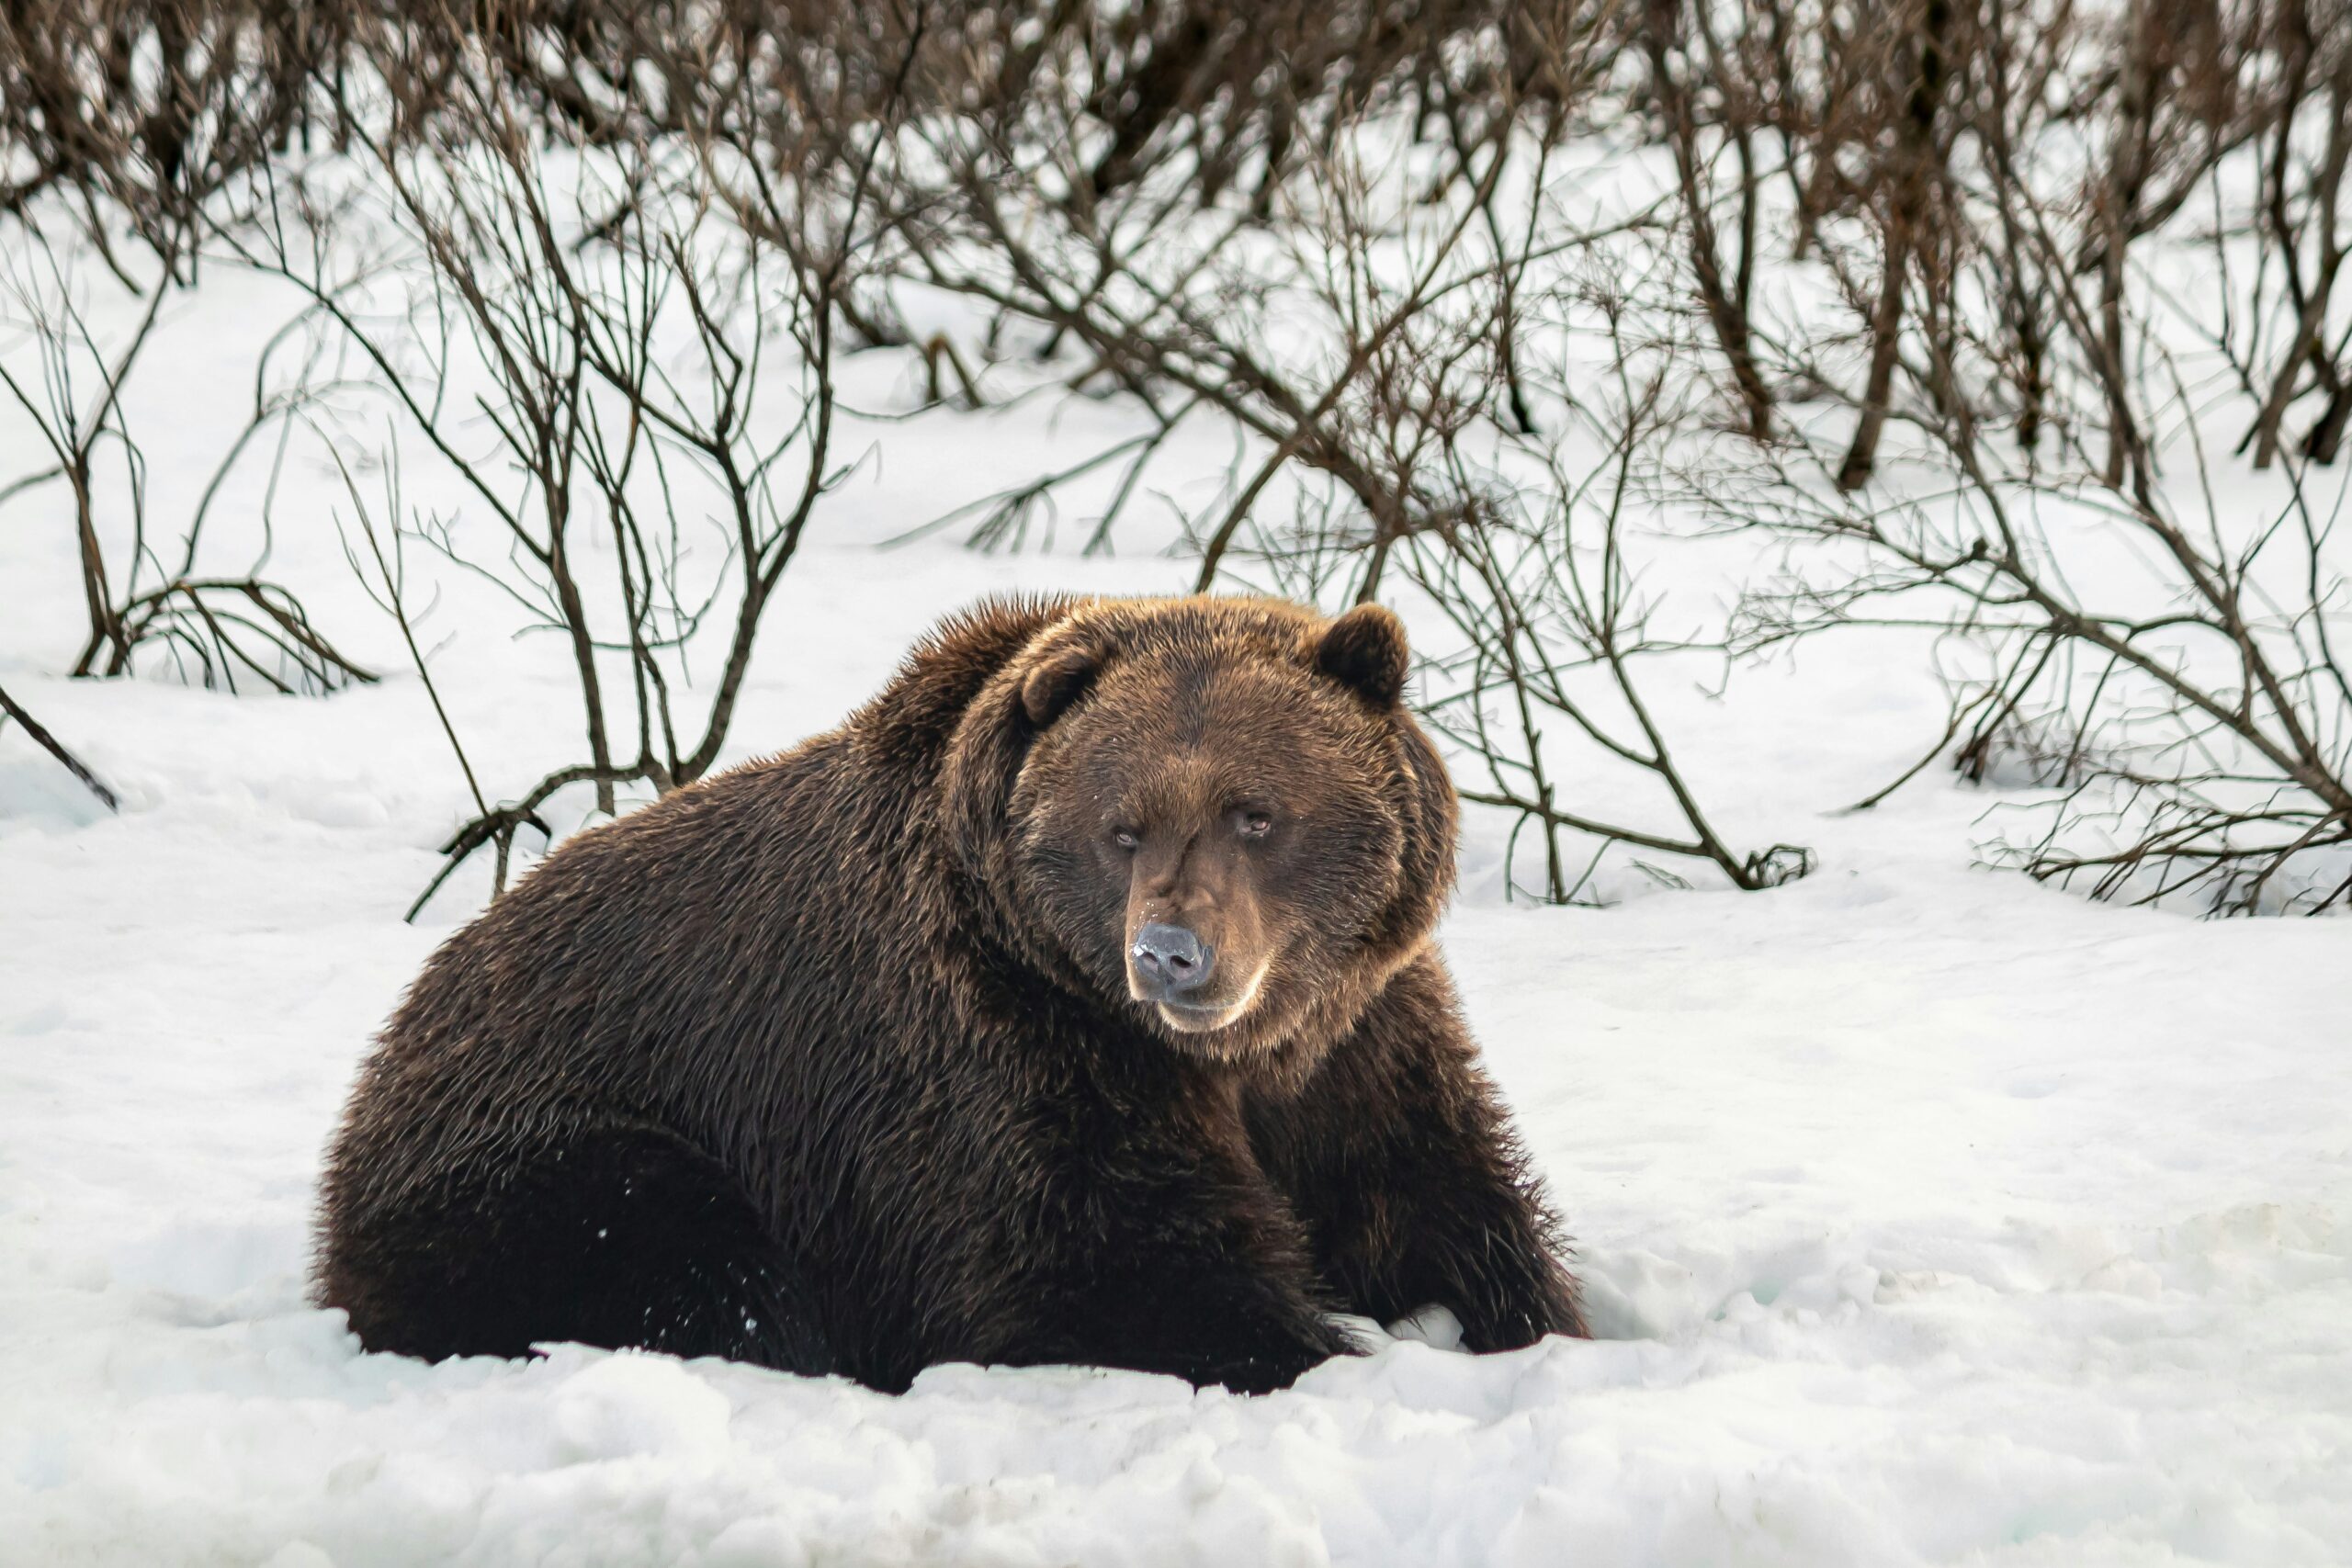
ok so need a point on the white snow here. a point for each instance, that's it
(1927, 1215)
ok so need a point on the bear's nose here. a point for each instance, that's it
(1170, 961)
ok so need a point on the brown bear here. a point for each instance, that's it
(1073, 1002)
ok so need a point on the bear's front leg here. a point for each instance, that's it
(1178, 1255)
(1399, 1158)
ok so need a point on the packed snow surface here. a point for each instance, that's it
(1925, 1215)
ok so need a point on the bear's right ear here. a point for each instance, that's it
(1057, 680)
(1364, 649)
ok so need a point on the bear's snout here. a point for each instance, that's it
(1170, 963)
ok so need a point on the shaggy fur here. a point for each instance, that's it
(841, 1062)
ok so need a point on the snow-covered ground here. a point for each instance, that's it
(1927, 1215)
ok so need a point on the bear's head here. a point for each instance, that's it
(1212, 817)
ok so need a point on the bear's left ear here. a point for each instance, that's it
(1057, 680)
(1364, 650)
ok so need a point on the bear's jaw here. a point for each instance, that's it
(1209, 1019)
(1195, 1021)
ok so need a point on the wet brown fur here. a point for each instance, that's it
(833, 1062)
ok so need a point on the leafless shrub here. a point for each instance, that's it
(1551, 648)
(127, 120)
(609, 363)
(1358, 319)
(2005, 203)
(142, 110)
(1970, 281)
(379, 561)
(67, 377)
(2290, 343)
(2197, 721)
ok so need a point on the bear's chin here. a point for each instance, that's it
(1199, 1020)
(1208, 1020)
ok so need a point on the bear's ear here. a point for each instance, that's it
(1057, 680)
(1364, 650)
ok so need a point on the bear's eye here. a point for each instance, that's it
(1254, 825)
(1125, 838)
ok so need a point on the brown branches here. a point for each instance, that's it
(2303, 163)
(619, 373)
(1361, 330)
(70, 383)
(10, 708)
(1530, 620)
(148, 108)
(1726, 297)
(1548, 660)
(1467, 284)
(1552, 632)
(2204, 746)
(74, 427)
(2008, 202)
(213, 627)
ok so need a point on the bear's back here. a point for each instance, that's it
(712, 964)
